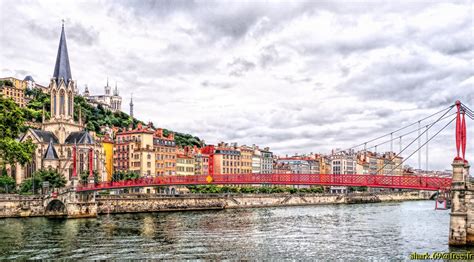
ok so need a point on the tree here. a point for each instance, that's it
(84, 177)
(52, 176)
(11, 123)
(32, 184)
(7, 184)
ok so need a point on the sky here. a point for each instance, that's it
(298, 77)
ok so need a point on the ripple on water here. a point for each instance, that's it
(327, 232)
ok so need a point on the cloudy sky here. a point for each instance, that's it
(297, 77)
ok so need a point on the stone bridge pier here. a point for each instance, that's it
(71, 205)
(461, 224)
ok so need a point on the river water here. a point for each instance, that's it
(345, 232)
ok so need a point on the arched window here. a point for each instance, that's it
(54, 102)
(68, 153)
(70, 103)
(61, 102)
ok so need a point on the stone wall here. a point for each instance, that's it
(20, 206)
(82, 205)
(146, 203)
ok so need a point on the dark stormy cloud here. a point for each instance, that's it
(306, 76)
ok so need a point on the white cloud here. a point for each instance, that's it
(298, 77)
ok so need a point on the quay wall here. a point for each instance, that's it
(22, 206)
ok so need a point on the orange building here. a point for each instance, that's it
(165, 153)
(223, 159)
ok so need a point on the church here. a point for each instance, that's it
(112, 102)
(62, 143)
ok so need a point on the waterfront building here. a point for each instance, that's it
(281, 168)
(165, 153)
(109, 100)
(342, 163)
(59, 136)
(300, 164)
(201, 162)
(223, 159)
(256, 160)
(185, 164)
(14, 88)
(266, 161)
(108, 145)
(134, 151)
(372, 163)
(246, 153)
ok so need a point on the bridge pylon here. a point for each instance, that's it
(461, 226)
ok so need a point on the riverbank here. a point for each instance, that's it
(30, 206)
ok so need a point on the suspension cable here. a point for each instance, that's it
(400, 129)
(439, 131)
(422, 133)
(408, 133)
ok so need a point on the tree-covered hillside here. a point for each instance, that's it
(95, 117)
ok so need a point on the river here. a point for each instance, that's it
(326, 232)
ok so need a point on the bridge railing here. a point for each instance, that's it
(388, 181)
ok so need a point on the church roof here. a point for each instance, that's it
(51, 152)
(62, 68)
(45, 136)
(81, 137)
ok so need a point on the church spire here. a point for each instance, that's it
(131, 105)
(62, 68)
(116, 92)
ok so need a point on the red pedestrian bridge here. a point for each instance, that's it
(380, 181)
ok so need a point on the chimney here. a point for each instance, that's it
(159, 133)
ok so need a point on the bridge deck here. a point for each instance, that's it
(385, 181)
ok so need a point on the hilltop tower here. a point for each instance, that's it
(131, 105)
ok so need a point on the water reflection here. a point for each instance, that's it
(358, 232)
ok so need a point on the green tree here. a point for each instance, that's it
(84, 177)
(55, 179)
(11, 123)
(32, 185)
(7, 184)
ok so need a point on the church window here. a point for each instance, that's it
(54, 102)
(70, 103)
(61, 102)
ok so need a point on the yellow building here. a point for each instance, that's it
(108, 145)
(184, 165)
(246, 153)
(14, 88)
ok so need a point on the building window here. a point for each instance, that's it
(61, 102)
(70, 104)
(54, 102)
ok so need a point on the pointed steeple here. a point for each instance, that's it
(116, 93)
(107, 88)
(62, 68)
(51, 152)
